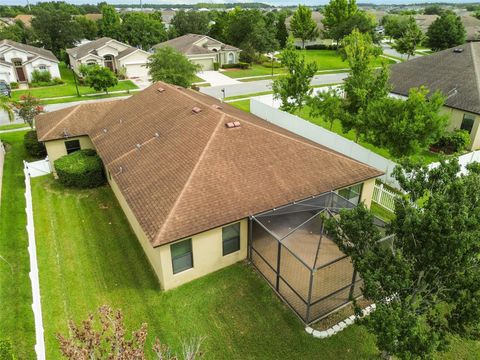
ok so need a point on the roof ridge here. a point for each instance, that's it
(75, 108)
(475, 70)
(190, 177)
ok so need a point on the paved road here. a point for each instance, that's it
(252, 87)
(388, 50)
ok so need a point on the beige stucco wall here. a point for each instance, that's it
(207, 256)
(367, 192)
(456, 118)
(56, 148)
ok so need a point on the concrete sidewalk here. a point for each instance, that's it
(215, 78)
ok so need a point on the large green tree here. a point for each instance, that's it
(100, 78)
(445, 32)
(302, 25)
(424, 280)
(336, 13)
(293, 88)
(110, 23)
(407, 126)
(411, 37)
(170, 66)
(281, 33)
(395, 25)
(88, 27)
(191, 22)
(142, 30)
(56, 29)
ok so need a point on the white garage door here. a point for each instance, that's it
(136, 70)
(206, 64)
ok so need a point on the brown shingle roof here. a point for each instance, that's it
(182, 172)
(455, 74)
(186, 44)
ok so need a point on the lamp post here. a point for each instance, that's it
(75, 80)
(223, 94)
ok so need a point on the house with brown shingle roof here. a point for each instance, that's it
(455, 73)
(18, 61)
(189, 171)
(203, 50)
(110, 53)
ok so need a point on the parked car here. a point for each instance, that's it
(5, 89)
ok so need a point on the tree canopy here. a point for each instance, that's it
(302, 24)
(336, 13)
(170, 66)
(293, 89)
(409, 39)
(191, 22)
(425, 279)
(142, 30)
(445, 32)
(100, 78)
(110, 22)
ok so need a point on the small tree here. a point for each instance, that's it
(445, 32)
(100, 78)
(105, 339)
(409, 40)
(6, 106)
(28, 107)
(425, 281)
(281, 33)
(168, 65)
(302, 25)
(294, 88)
(327, 103)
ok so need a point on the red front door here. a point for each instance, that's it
(19, 69)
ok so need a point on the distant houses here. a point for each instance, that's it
(18, 61)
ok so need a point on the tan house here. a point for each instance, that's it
(190, 171)
(454, 72)
(110, 53)
(203, 50)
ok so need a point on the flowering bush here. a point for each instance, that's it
(28, 107)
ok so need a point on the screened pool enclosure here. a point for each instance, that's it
(291, 249)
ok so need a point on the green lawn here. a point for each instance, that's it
(16, 317)
(426, 156)
(68, 89)
(242, 104)
(12, 126)
(381, 212)
(325, 59)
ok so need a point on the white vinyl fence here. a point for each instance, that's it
(34, 278)
(324, 137)
(384, 196)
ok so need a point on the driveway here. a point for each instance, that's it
(388, 50)
(251, 87)
(216, 78)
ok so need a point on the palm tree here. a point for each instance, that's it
(6, 105)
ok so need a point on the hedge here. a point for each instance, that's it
(80, 169)
(33, 146)
(240, 65)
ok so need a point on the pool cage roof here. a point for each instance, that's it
(293, 251)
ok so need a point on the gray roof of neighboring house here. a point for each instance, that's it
(186, 44)
(80, 51)
(47, 54)
(455, 74)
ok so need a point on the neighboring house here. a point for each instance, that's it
(471, 24)
(454, 72)
(190, 171)
(203, 50)
(6, 21)
(112, 54)
(18, 61)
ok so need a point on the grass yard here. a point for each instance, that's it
(255, 70)
(88, 256)
(426, 156)
(68, 89)
(12, 126)
(242, 104)
(16, 317)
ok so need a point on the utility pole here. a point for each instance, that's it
(75, 79)
(28, 4)
(141, 5)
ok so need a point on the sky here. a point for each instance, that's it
(273, 2)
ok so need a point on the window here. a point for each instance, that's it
(182, 256)
(72, 146)
(231, 58)
(231, 238)
(42, 67)
(352, 193)
(467, 122)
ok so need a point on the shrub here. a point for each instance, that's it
(216, 66)
(80, 169)
(318, 47)
(241, 65)
(13, 85)
(42, 76)
(34, 147)
(6, 351)
(58, 81)
(453, 142)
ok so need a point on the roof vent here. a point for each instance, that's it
(65, 133)
(105, 130)
(458, 50)
(196, 110)
(215, 106)
(157, 135)
(233, 124)
(138, 146)
(160, 89)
